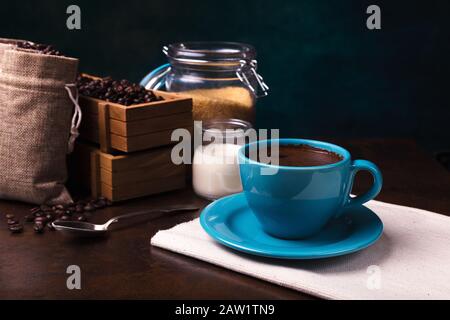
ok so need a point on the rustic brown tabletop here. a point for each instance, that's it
(124, 265)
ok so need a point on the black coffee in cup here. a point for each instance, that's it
(303, 155)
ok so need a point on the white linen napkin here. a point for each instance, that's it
(411, 260)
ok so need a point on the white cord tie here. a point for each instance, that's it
(76, 119)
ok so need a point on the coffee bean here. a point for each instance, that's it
(12, 222)
(10, 216)
(123, 92)
(60, 207)
(100, 204)
(35, 210)
(39, 214)
(40, 220)
(16, 228)
(38, 227)
(59, 212)
(49, 217)
(41, 48)
(89, 207)
(81, 218)
(64, 217)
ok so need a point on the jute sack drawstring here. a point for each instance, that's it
(76, 118)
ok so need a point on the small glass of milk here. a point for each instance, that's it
(215, 168)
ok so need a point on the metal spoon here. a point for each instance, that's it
(78, 228)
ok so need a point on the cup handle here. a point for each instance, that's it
(356, 166)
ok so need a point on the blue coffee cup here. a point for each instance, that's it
(297, 202)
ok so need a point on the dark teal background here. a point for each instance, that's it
(329, 75)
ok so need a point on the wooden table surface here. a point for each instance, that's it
(125, 266)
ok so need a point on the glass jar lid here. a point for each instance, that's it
(210, 53)
(239, 58)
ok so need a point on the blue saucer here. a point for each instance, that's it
(230, 221)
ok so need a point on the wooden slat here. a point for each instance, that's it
(142, 159)
(139, 127)
(89, 105)
(143, 188)
(133, 128)
(142, 142)
(104, 128)
(124, 178)
(150, 110)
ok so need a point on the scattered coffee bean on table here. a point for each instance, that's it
(16, 228)
(122, 92)
(42, 216)
(11, 222)
(81, 218)
(89, 207)
(35, 210)
(41, 219)
(39, 227)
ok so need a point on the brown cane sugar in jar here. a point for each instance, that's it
(220, 77)
(223, 103)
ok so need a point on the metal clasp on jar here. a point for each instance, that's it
(248, 69)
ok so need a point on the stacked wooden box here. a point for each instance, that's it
(136, 127)
(129, 147)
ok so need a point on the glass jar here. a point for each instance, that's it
(220, 77)
(215, 168)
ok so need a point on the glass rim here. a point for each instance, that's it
(225, 128)
(215, 53)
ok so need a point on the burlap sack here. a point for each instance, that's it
(35, 124)
(6, 44)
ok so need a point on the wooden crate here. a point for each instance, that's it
(125, 176)
(136, 127)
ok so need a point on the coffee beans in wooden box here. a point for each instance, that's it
(123, 116)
